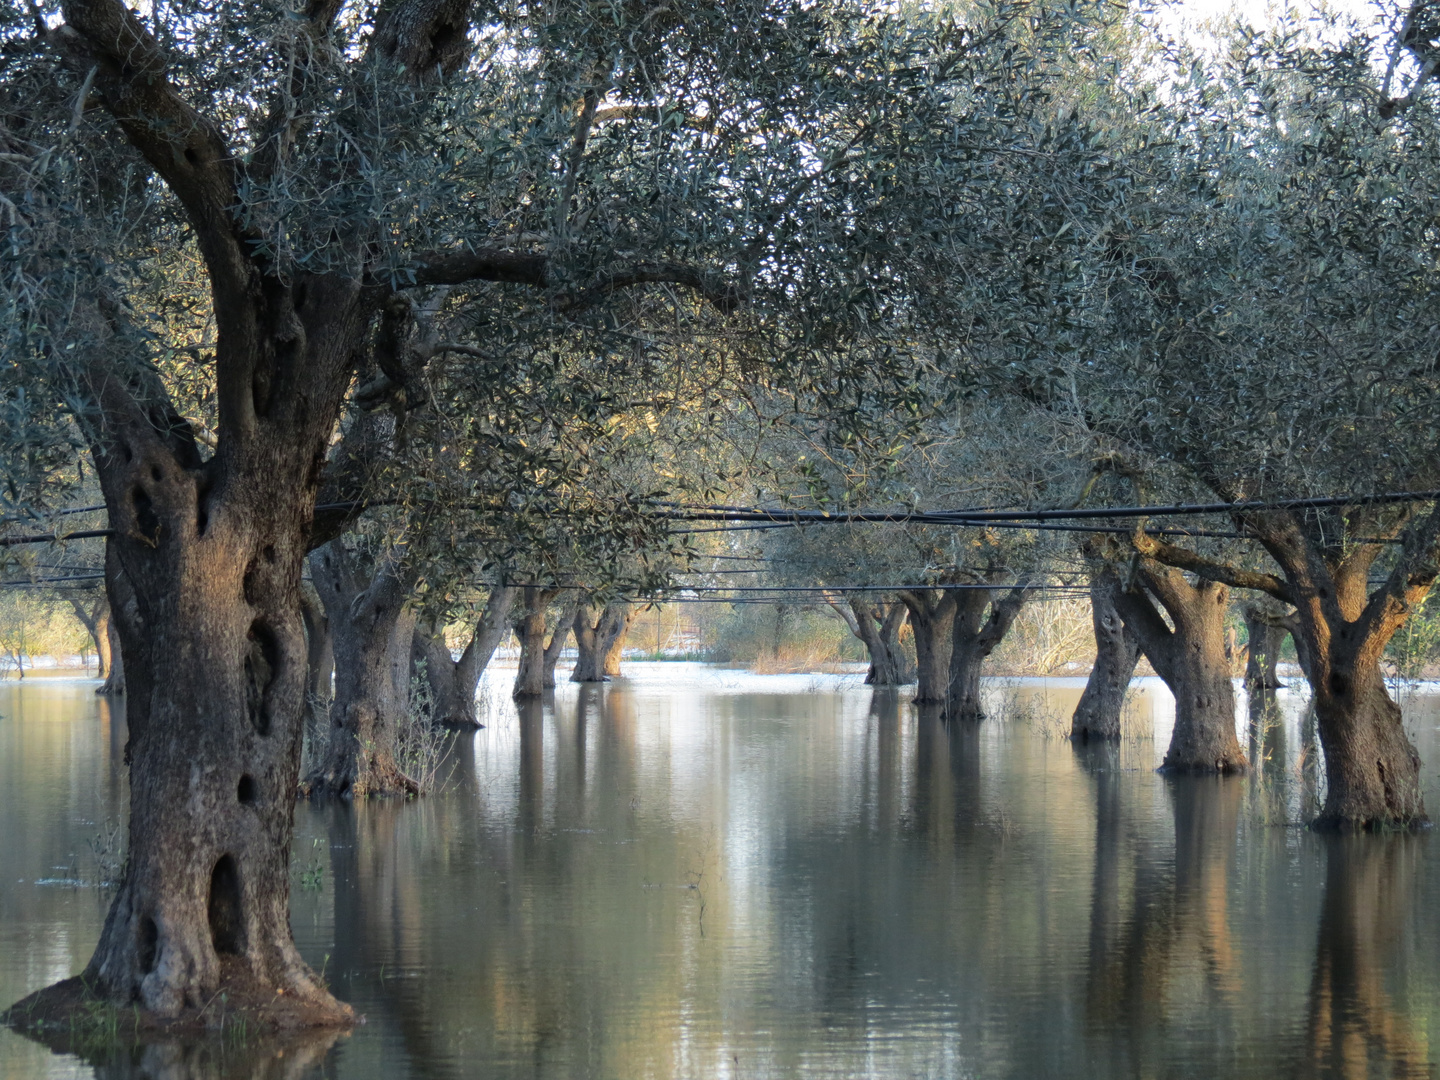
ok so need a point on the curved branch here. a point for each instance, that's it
(1184, 559)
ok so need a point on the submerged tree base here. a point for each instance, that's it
(1336, 824)
(71, 1018)
(1222, 766)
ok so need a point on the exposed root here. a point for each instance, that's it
(69, 1016)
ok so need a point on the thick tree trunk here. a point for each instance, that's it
(878, 626)
(453, 682)
(1117, 651)
(556, 645)
(932, 619)
(1372, 768)
(366, 618)
(114, 684)
(205, 598)
(973, 638)
(96, 620)
(319, 673)
(1191, 659)
(596, 636)
(104, 651)
(1266, 636)
(530, 629)
(615, 652)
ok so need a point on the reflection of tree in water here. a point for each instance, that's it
(224, 1057)
(1177, 919)
(463, 935)
(1355, 1030)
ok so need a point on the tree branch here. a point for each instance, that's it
(1409, 582)
(1183, 559)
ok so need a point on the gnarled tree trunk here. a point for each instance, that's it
(204, 579)
(932, 619)
(453, 682)
(371, 635)
(319, 672)
(1266, 634)
(1192, 661)
(530, 629)
(1117, 651)
(878, 626)
(96, 620)
(596, 637)
(973, 638)
(556, 645)
(614, 654)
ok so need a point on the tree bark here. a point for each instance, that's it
(453, 682)
(1117, 651)
(530, 629)
(973, 638)
(205, 595)
(596, 637)
(556, 645)
(96, 620)
(366, 616)
(1341, 629)
(932, 619)
(615, 652)
(878, 626)
(1191, 659)
(1266, 636)
(319, 672)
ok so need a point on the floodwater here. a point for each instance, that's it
(700, 873)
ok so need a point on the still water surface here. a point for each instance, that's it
(700, 873)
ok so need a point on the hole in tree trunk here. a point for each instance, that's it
(1338, 684)
(148, 946)
(246, 791)
(145, 516)
(262, 664)
(156, 474)
(227, 928)
(202, 508)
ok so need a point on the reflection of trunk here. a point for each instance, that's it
(371, 642)
(1353, 1020)
(531, 789)
(1266, 634)
(1117, 650)
(453, 682)
(932, 618)
(597, 635)
(1104, 989)
(556, 645)
(1207, 814)
(530, 629)
(973, 638)
(878, 626)
(1191, 659)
